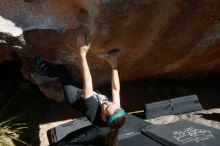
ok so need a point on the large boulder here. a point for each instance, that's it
(169, 38)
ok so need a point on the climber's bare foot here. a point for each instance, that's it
(112, 57)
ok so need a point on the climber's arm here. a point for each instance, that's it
(86, 75)
(112, 58)
(115, 86)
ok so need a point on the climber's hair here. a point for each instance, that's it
(111, 139)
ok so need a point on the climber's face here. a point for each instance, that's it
(107, 109)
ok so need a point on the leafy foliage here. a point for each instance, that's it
(10, 128)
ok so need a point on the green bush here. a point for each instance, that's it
(10, 130)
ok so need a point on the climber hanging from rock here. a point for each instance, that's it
(96, 107)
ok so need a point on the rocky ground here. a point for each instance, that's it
(206, 117)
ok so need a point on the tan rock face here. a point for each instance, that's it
(156, 38)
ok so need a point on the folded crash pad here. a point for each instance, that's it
(57, 133)
(172, 106)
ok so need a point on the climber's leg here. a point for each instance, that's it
(71, 91)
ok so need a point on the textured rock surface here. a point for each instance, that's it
(157, 38)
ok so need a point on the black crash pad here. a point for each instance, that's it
(133, 126)
(184, 133)
(172, 106)
(138, 140)
(57, 133)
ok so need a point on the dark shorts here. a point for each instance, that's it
(72, 93)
